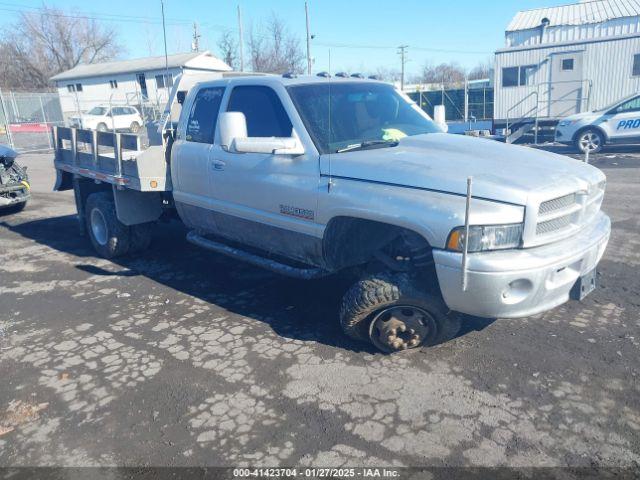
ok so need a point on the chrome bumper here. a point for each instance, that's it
(519, 283)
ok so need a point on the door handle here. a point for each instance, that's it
(218, 164)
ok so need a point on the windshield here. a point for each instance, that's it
(97, 111)
(360, 112)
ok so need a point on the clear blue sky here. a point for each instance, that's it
(464, 31)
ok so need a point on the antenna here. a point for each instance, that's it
(166, 59)
(306, 12)
(240, 40)
(330, 152)
(195, 45)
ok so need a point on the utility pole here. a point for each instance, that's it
(241, 40)
(306, 12)
(402, 51)
(195, 45)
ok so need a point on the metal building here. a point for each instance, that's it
(144, 82)
(568, 59)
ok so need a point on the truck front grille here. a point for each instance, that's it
(572, 211)
(557, 204)
(554, 225)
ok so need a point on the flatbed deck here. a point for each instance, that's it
(116, 158)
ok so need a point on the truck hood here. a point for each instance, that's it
(442, 162)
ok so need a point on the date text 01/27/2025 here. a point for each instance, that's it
(316, 473)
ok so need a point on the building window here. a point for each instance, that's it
(518, 76)
(636, 65)
(567, 64)
(163, 81)
(113, 83)
(526, 74)
(71, 88)
(78, 87)
(510, 77)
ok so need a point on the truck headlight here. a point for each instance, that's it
(486, 237)
(566, 123)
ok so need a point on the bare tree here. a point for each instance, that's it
(273, 49)
(481, 71)
(443, 73)
(48, 41)
(387, 74)
(228, 47)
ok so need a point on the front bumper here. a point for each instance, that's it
(563, 135)
(520, 283)
(13, 194)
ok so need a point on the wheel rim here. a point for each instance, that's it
(590, 141)
(399, 328)
(102, 128)
(134, 127)
(99, 227)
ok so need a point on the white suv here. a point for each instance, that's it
(104, 118)
(617, 124)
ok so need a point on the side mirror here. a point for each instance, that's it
(232, 125)
(233, 138)
(180, 96)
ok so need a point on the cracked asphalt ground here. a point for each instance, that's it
(183, 357)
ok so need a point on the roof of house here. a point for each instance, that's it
(585, 12)
(140, 65)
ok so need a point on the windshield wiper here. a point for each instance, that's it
(368, 144)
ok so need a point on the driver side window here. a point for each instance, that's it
(266, 117)
(630, 106)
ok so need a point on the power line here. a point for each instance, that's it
(117, 18)
(391, 47)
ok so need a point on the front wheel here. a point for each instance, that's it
(391, 312)
(102, 127)
(590, 140)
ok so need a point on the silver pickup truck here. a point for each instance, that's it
(315, 176)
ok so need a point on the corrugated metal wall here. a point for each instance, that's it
(572, 33)
(608, 65)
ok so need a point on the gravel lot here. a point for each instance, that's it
(182, 357)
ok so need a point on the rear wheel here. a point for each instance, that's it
(110, 237)
(102, 127)
(391, 312)
(590, 140)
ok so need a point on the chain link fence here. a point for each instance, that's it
(468, 108)
(26, 119)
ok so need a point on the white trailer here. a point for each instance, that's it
(565, 60)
